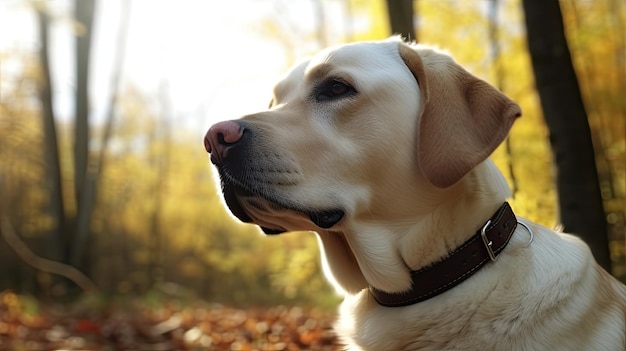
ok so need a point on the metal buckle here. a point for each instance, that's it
(488, 243)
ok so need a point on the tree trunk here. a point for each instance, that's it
(579, 197)
(401, 18)
(161, 134)
(51, 149)
(83, 11)
(85, 195)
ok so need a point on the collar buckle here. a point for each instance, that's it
(488, 243)
(460, 264)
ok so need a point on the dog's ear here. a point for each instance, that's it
(462, 118)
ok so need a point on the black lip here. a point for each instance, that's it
(269, 231)
(326, 219)
(230, 196)
(232, 189)
(236, 209)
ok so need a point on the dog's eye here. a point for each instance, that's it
(333, 89)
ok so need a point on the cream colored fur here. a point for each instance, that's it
(405, 157)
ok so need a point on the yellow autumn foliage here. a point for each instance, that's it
(159, 217)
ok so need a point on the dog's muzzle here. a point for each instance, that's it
(242, 177)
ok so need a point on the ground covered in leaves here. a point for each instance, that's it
(28, 324)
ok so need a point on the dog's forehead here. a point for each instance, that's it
(359, 54)
(352, 58)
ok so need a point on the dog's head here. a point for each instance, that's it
(359, 132)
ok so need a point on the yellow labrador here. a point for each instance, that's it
(381, 148)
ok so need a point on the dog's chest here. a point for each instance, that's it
(373, 327)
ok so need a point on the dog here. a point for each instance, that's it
(382, 148)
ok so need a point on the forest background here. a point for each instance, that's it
(159, 74)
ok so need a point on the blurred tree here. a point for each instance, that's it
(401, 14)
(73, 227)
(95, 163)
(579, 196)
(597, 41)
(161, 159)
(51, 144)
(84, 13)
(24, 189)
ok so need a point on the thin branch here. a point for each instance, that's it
(122, 35)
(40, 263)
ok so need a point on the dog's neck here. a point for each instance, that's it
(458, 217)
(385, 253)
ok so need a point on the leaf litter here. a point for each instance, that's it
(26, 324)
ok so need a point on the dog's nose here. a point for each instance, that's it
(220, 137)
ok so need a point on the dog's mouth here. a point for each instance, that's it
(235, 193)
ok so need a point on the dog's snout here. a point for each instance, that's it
(220, 137)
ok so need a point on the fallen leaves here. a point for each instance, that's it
(162, 328)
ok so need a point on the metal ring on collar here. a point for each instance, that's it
(532, 235)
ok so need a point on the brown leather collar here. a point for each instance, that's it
(459, 265)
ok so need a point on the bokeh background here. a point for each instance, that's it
(124, 192)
